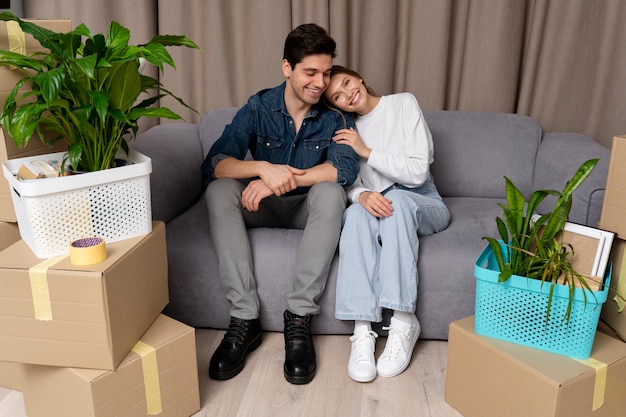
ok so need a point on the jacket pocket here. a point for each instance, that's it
(316, 145)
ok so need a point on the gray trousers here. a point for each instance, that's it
(318, 213)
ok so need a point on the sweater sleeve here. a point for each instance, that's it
(408, 163)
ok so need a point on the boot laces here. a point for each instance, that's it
(298, 328)
(237, 330)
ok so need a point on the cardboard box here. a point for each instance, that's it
(162, 381)
(8, 78)
(614, 310)
(492, 378)
(55, 313)
(614, 204)
(12, 375)
(9, 234)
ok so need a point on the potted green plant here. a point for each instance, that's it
(527, 273)
(86, 90)
(529, 247)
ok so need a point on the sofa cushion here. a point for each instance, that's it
(473, 151)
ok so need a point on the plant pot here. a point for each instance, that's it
(113, 204)
(515, 311)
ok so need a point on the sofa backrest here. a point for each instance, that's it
(474, 151)
(212, 125)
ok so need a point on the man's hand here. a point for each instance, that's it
(376, 204)
(253, 194)
(280, 179)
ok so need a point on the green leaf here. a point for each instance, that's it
(74, 154)
(50, 83)
(124, 85)
(88, 65)
(153, 112)
(118, 36)
(101, 104)
(21, 61)
(45, 37)
(156, 54)
(175, 40)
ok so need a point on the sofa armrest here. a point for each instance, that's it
(559, 156)
(176, 180)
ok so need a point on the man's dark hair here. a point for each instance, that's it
(307, 39)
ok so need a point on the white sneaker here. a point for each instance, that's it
(399, 348)
(361, 366)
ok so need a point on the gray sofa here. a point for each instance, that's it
(473, 151)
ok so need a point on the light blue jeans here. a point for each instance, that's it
(378, 257)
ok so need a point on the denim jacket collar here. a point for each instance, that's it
(278, 102)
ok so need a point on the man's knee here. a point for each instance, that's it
(223, 192)
(329, 196)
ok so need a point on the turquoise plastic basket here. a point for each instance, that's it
(515, 311)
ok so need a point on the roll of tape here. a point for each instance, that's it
(88, 251)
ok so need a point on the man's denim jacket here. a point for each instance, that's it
(264, 127)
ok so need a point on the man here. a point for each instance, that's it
(294, 180)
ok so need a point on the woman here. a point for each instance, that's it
(397, 202)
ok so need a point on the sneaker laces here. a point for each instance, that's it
(363, 343)
(395, 341)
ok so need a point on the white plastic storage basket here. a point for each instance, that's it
(113, 204)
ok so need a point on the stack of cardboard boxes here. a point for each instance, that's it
(487, 377)
(89, 340)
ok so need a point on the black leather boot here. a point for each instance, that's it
(241, 338)
(300, 365)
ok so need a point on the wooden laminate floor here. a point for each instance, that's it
(261, 390)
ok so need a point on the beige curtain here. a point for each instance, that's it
(559, 61)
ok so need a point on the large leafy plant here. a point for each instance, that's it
(86, 90)
(529, 247)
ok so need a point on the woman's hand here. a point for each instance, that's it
(351, 138)
(376, 204)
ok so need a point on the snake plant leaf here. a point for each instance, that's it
(516, 202)
(557, 220)
(532, 249)
(537, 197)
(496, 249)
(502, 229)
(579, 177)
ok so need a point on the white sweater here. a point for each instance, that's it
(401, 143)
